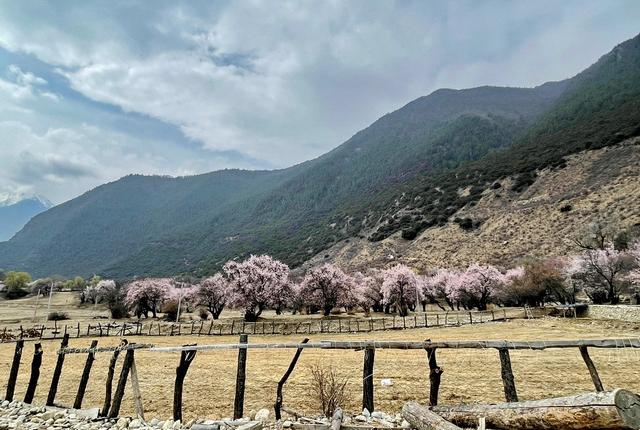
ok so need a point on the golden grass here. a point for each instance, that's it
(469, 375)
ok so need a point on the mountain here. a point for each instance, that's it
(16, 211)
(410, 171)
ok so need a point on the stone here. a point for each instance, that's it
(366, 412)
(168, 425)
(262, 415)
(360, 418)
(405, 424)
(177, 425)
(287, 424)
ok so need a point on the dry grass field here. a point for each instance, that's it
(469, 375)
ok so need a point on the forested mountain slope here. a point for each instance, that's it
(404, 172)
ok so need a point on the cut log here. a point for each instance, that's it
(618, 409)
(421, 418)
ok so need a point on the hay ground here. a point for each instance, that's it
(469, 375)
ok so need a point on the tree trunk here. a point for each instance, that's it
(618, 409)
(422, 418)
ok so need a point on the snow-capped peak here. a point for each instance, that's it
(11, 198)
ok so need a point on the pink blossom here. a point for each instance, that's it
(400, 288)
(475, 286)
(148, 294)
(257, 283)
(211, 293)
(327, 287)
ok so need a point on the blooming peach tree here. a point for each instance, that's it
(258, 283)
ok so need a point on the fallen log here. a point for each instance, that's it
(421, 418)
(607, 410)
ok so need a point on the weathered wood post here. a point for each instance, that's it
(592, 368)
(279, 396)
(507, 376)
(186, 357)
(13, 373)
(109, 382)
(84, 380)
(367, 379)
(57, 372)
(238, 404)
(122, 383)
(35, 373)
(435, 375)
(137, 394)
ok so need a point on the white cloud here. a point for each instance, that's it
(281, 82)
(24, 85)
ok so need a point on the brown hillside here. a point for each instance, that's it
(600, 184)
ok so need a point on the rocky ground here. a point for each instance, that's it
(21, 416)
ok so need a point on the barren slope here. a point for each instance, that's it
(604, 183)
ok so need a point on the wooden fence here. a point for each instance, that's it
(53, 330)
(112, 402)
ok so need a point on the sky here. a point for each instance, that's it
(93, 91)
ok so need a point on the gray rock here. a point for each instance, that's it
(262, 415)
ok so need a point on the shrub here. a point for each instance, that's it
(204, 314)
(329, 388)
(409, 233)
(57, 316)
(118, 311)
(566, 208)
(170, 310)
(15, 293)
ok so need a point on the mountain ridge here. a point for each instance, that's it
(382, 180)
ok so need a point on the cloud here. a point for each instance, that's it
(23, 85)
(269, 84)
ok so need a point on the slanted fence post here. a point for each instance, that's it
(13, 373)
(507, 376)
(57, 372)
(122, 383)
(238, 404)
(367, 379)
(35, 373)
(186, 357)
(279, 395)
(84, 380)
(435, 375)
(109, 382)
(592, 368)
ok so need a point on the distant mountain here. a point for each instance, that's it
(16, 211)
(411, 170)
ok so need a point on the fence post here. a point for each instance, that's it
(122, 383)
(57, 372)
(135, 385)
(84, 380)
(35, 373)
(15, 366)
(279, 396)
(238, 404)
(435, 375)
(507, 376)
(367, 379)
(109, 382)
(186, 357)
(592, 368)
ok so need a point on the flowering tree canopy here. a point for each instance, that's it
(475, 286)
(599, 272)
(257, 283)
(211, 293)
(147, 294)
(326, 287)
(400, 288)
(439, 287)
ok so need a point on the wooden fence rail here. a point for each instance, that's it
(237, 327)
(188, 354)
